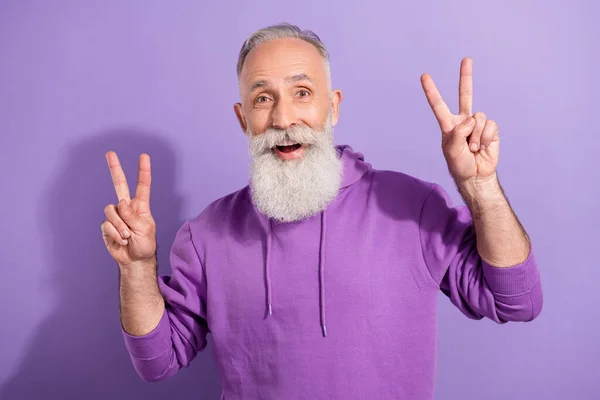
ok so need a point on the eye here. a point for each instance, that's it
(261, 99)
(303, 93)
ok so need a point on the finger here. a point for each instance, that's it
(111, 234)
(113, 217)
(465, 87)
(118, 176)
(475, 139)
(434, 98)
(127, 214)
(142, 191)
(456, 142)
(465, 128)
(490, 132)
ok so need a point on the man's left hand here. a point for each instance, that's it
(470, 143)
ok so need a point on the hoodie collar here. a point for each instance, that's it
(354, 165)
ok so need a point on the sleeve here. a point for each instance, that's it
(476, 288)
(181, 332)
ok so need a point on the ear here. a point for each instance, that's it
(336, 99)
(237, 108)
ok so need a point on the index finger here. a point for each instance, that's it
(440, 109)
(118, 176)
(465, 88)
(142, 191)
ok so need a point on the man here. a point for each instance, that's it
(320, 279)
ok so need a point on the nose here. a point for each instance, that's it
(284, 115)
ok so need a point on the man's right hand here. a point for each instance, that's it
(129, 230)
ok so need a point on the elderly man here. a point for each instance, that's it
(319, 280)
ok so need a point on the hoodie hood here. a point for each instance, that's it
(354, 167)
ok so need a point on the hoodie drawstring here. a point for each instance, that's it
(322, 276)
(268, 269)
(322, 314)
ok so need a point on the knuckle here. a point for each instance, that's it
(480, 115)
(107, 228)
(123, 213)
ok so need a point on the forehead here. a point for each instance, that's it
(279, 59)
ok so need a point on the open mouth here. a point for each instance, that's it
(289, 149)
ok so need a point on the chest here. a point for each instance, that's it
(352, 267)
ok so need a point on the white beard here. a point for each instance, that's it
(293, 190)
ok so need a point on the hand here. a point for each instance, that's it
(129, 230)
(470, 142)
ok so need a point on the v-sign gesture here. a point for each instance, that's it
(470, 142)
(129, 230)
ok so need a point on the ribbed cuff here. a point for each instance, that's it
(151, 345)
(515, 280)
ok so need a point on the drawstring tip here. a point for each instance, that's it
(270, 310)
(324, 330)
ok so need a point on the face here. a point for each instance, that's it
(288, 112)
(284, 83)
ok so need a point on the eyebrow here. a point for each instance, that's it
(298, 78)
(290, 79)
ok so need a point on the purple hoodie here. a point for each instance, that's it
(342, 305)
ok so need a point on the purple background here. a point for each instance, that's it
(80, 78)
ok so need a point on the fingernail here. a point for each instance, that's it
(126, 234)
(482, 147)
(124, 242)
(473, 146)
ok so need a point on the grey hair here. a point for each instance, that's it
(282, 31)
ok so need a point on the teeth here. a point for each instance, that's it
(287, 143)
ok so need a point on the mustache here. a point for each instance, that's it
(301, 134)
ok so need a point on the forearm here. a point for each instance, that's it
(501, 239)
(141, 302)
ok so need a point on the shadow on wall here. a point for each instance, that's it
(78, 350)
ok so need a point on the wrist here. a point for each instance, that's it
(486, 189)
(140, 266)
(482, 194)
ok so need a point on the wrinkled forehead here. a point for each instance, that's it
(283, 62)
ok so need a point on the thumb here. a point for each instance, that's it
(126, 213)
(457, 138)
(465, 128)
